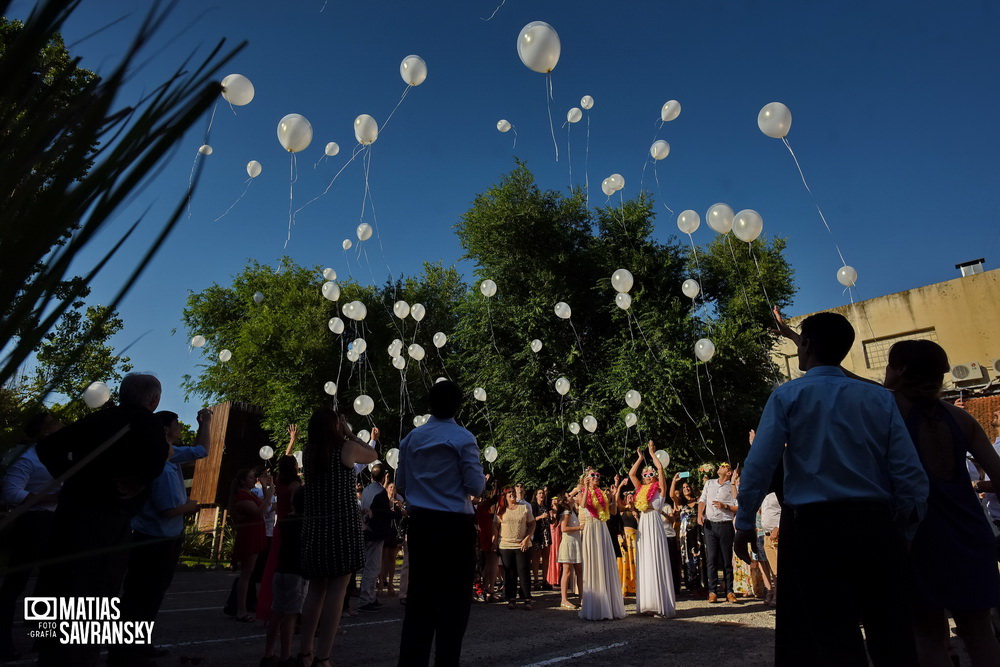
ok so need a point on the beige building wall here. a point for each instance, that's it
(961, 315)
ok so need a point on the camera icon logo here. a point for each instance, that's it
(40, 609)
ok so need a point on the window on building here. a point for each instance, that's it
(877, 350)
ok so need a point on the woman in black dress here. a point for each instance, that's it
(332, 544)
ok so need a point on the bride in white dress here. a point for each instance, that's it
(602, 590)
(654, 588)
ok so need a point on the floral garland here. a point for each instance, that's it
(597, 505)
(646, 495)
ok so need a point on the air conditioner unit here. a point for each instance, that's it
(969, 375)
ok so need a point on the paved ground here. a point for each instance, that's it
(192, 625)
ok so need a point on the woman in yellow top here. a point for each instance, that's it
(515, 525)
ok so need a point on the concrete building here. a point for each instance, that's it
(960, 315)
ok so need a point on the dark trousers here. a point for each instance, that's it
(28, 538)
(870, 581)
(674, 551)
(516, 573)
(151, 566)
(442, 548)
(719, 536)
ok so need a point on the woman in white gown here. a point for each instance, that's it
(602, 591)
(654, 588)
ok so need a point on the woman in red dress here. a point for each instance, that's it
(248, 523)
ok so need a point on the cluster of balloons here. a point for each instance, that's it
(745, 225)
(612, 184)
(401, 309)
(622, 281)
(355, 310)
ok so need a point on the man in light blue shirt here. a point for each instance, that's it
(438, 473)
(850, 469)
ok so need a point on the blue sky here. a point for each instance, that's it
(894, 123)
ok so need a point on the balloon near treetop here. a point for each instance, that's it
(295, 133)
(720, 217)
(96, 394)
(622, 280)
(538, 47)
(747, 225)
(488, 288)
(688, 221)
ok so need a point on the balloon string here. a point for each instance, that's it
(386, 123)
(291, 182)
(697, 264)
(608, 457)
(212, 120)
(718, 419)
(238, 200)
(586, 163)
(864, 311)
(190, 189)
(569, 153)
(489, 318)
(815, 202)
(340, 366)
(739, 276)
(579, 345)
(763, 288)
(358, 149)
(579, 448)
(502, 3)
(443, 366)
(548, 108)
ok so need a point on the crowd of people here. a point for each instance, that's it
(895, 464)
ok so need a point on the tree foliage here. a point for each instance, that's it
(540, 247)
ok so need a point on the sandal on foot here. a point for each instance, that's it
(247, 618)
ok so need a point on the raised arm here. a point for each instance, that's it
(293, 434)
(659, 466)
(633, 473)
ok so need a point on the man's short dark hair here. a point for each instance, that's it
(139, 389)
(167, 418)
(830, 337)
(445, 399)
(378, 472)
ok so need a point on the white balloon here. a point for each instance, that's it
(395, 348)
(399, 363)
(364, 404)
(413, 69)
(587, 102)
(197, 341)
(622, 280)
(359, 345)
(479, 394)
(574, 428)
(847, 276)
(355, 310)
(663, 456)
(488, 288)
(332, 148)
(401, 309)
(353, 356)
(237, 90)
(608, 187)
(364, 231)
(574, 115)
(490, 454)
(633, 398)
(536, 346)
(631, 420)
(331, 388)
(562, 386)
(775, 120)
(347, 244)
(365, 435)
(503, 125)
(660, 149)
(254, 168)
(365, 129)
(690, 288)
(298, 458)
(331, 291)
(392, 457)
(618, 180)
(205, 149)
(720, 217)
(441, 379)
(704, 349)
(670, 111)
(336, 325)
(418, 421)
(329, 274)
(538, 47)
(258, 297)
(415, 351)
(747, 225)
(439, 340)
(688, 221)
(295, 133)
(563, 310)
(96, 394)
(417, 311)
(266, 452)
(590, 423)
(623, 300)
(225, 355)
